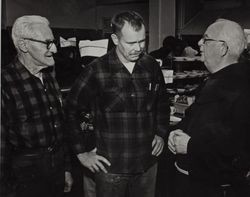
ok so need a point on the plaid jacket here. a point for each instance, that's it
(129, 109)
(31, 113)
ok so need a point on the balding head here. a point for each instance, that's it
(232, 33)
(222, 44)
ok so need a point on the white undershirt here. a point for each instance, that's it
(130, 66)
(39, 75)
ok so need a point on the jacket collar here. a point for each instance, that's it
(25, 74)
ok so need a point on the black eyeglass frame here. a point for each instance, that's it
(204, 40)
(48, 43)
(210, 39)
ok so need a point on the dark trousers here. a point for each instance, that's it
(187, 187)
(126, 185)
(89, 185)
(38, 174)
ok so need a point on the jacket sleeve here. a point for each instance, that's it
(79, 99)
(5, 187)
(223, 145)
(162, 106)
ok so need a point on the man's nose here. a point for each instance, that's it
(53, 48)
(200, 42)
(138, 46)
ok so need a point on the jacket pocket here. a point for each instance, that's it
(112, 100)
(151, 97)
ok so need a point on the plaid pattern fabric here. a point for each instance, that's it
(129, 110)
(32, 115)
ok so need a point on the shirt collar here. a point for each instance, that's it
(22, 69)
(24, 72)
(115, 64)
(228, 70)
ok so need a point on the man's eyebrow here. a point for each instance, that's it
(205, 36)
(137, 41)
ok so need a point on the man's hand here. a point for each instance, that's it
(171, 140)
(178, 141)
(68, 182)
(93, 162)
(157, 144)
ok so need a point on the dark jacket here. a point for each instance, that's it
(129, 110)
(219, 126)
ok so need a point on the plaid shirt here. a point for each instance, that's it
(32, 114)
(129, 109)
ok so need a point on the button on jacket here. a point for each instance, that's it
(129, 110)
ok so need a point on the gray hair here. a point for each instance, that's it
(233, 34)
(23, 27)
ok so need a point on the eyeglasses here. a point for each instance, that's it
(204, 39)
(48, 43)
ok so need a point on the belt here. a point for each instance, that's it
(180, 169)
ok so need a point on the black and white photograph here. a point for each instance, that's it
(125, 98)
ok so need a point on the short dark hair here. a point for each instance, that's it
(133, 18)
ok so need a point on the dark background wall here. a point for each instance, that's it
(81, 14)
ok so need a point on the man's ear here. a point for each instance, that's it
(114, 38)
(224, 49)
(21, 44)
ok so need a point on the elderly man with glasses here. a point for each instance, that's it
(212, 142)
(34, 153)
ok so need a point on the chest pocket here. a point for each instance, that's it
(147, 96)
(150, 100)
(112, 99)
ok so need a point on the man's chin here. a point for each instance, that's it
(51, 63)
(134, 58)
(202, 59)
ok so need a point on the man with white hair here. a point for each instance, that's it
(212, 142)
(33, 146)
